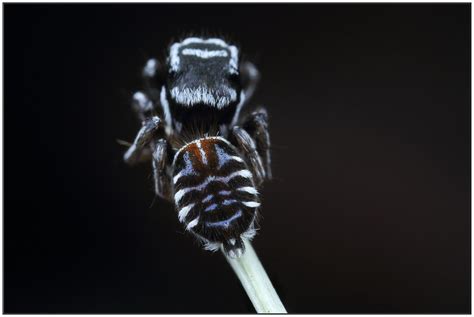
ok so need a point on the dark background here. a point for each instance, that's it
(369, 211)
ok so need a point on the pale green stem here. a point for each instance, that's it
(255, 281)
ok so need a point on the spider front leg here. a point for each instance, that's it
(249, 148)
(160, 168)
(257, 126)
(142, 105)
(250, 78)
(146, 103)
(138, 150)
(152, 77)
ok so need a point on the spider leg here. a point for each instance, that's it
(135, 152)
(257, 126)
(150, 69)
(250, 78)
(249, 148)
(147, 103)
(151, 74)
(154, 82)
(160, 166)
(142, 105)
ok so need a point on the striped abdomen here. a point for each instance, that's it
(214, 193)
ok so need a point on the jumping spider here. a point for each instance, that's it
(207, 156)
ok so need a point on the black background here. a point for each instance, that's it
(369, 211)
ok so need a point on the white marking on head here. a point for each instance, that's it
(251, 203)
(232, 241)
(204, 53)
(192, 224)
(184, 212)
(174, 52)
(202, 94)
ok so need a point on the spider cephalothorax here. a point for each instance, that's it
(202, 83)
(203, 72)
(212, 180)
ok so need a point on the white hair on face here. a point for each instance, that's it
(203, 95)
(204, 53)
(234, 52)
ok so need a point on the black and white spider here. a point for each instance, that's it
(207, 157)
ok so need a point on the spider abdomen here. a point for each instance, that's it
(214, 193)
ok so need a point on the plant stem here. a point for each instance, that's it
(255, 281)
